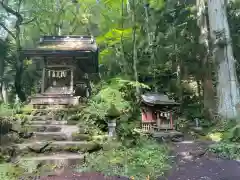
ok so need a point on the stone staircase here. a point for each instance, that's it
(55, 141)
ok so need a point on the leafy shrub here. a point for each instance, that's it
(229, 146)
(146, 159)
(226, 150)
(233, 134)
(120, 94)
(6, 110)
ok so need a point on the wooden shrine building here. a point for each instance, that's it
(158, 112)
(65, 63)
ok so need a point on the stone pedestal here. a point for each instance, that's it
(112, 128)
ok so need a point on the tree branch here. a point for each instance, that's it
(72, 23)
(8, 31)
(29, 21)
(40, 29)
(11, 11)
(19, 5)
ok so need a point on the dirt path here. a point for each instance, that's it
(192, 163)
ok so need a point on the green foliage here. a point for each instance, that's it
(10, 172)
(6, 110)
(226, 150)
(146, 159)
(229, 146)
(234, 134)
(117, 93)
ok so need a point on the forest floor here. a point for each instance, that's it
(193, 162)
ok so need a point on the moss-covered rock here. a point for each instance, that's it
(5, 125)
(49, 147)
(81, 137)
(86, 147)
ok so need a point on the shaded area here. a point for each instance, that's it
(193, 162)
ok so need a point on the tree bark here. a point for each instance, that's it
(135, 50)
(16, 37)
(4, 92)
(227, 87)
(207, 82)
(19, 66)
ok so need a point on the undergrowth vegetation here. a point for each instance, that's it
(227, 133)
(119, 93)
(147, 158)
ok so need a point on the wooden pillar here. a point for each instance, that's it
(43, 80)
(71, 83)
(171, 120)
(158, 119)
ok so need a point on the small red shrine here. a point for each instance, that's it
(158, 112)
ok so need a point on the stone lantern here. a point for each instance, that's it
(112, 115)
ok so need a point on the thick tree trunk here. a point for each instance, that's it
(227, 87)
(1, 94)
(207, 82)
(4, 93)
(135, 50)
(16, 37)
(19, 66)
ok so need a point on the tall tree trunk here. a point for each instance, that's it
(227, 87)
(1, 76)
(135, 49)
(208, 88)
(16, 37)
(1, 94)
(19, 65)
(4, 92)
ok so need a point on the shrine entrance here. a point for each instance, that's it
(59, 80)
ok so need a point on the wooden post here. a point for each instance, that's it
(171, 120)
(43, 80)
(71, 83)
(158, 120)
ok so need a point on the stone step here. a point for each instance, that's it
(51, 100)
(62, 160)
(49, 118)
(53, 122)
(51, 136)
(57, 146)
(65, 134)
(51, 109)
(43, 118)
(48, 127)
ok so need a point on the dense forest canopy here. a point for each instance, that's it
(155, 42)
(188, 50)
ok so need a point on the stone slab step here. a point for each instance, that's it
(48, 127)
(63, 160)
(51, 136)
(42, 118)
(54, 109)
(51, 100)
(61, 143)
(65, 134)
(57, 146)
(53, 122)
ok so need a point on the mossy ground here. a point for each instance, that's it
(145, 159)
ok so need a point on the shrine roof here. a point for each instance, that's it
(64, 43)
(157, 99)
